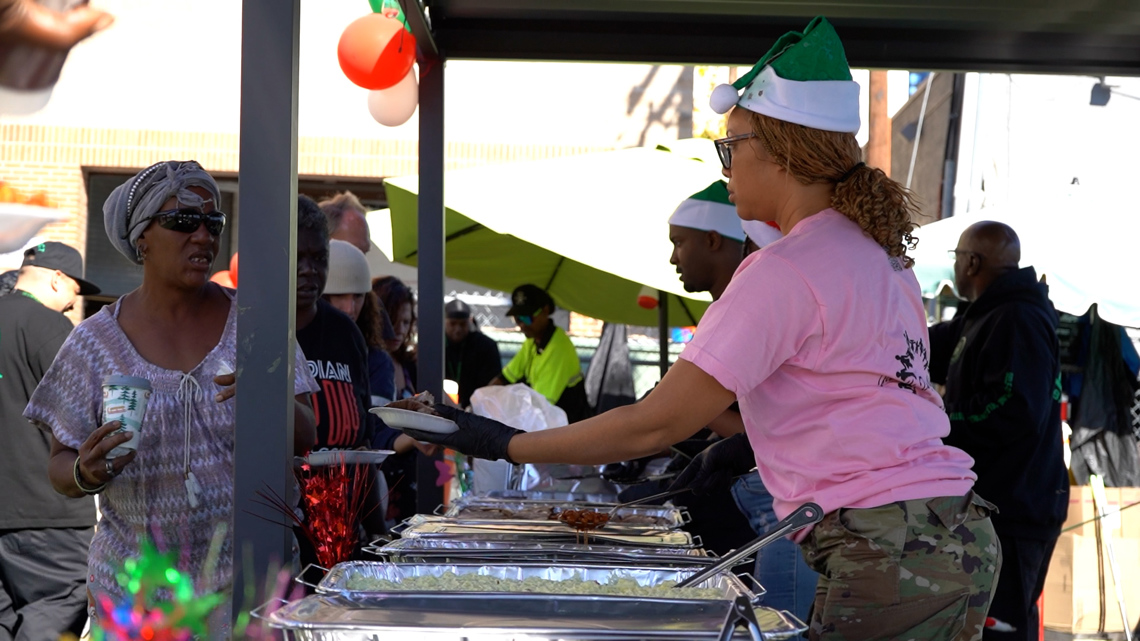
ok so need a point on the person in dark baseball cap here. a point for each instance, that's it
(59, 257)
(547, 360)
(471, 358)
(45, 537)
(527, 300)
(456, 309)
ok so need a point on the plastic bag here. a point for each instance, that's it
(518, 406)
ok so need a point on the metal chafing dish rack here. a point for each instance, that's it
(427, 550)
(425, 526)
(664, 517)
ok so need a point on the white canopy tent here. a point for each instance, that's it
(1083, 244)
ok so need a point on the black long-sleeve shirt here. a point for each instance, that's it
(999, 362)
(473, 363)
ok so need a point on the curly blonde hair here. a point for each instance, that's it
(880, 206)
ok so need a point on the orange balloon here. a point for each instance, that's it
(233, 269)
(376, 52)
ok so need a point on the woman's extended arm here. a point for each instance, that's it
(60, 30)
(686, 400)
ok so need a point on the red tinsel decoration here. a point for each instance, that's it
(333, 498)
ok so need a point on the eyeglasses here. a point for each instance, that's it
(724, 148)
(187, 220)
(525, 319)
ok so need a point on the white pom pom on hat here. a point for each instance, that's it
(723, 98)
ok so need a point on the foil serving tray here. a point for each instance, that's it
(426, 526)
(542, 495)
(341, 577)
(473, 617)
(467, 551)
(653, 517)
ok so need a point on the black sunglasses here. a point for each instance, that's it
(187, 220)
(724, 148)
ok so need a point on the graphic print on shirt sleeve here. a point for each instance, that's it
(914, 374)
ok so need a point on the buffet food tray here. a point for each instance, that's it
(427, 550)
(341, 579)
(425, 526)
(540, 495)
(655, 517)
(475, 617)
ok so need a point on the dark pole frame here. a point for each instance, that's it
(663, 330)
(953, 142)
(267, 199)
(431, 263)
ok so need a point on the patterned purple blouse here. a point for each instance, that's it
(150, 496)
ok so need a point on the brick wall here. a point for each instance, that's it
(53, 159)
(585, 326)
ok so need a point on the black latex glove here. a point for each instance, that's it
(717, 466)
(477, 436)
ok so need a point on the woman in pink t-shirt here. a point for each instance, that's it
(821, 337)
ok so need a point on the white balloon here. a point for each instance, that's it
(393, 106)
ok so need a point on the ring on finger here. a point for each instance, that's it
(110, 468)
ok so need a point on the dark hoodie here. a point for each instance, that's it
(999, 362)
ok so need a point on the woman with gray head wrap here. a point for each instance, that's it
(177, 332)
(128, 210)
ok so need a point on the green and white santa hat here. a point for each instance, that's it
(710, 210)
(803, 79)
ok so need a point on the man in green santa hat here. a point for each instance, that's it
(707, 240)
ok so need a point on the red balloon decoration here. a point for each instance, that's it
(224, 278)
(233, 268)
(376, 52)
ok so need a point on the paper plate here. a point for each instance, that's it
(401, 419)
(351, 457)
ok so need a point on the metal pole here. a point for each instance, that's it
(430, 262)
(267, 201)
(663, 329)
(918, 134)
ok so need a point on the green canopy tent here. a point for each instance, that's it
(592, 229)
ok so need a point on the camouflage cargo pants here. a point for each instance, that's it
(922, 569)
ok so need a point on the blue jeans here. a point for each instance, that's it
(780, 568)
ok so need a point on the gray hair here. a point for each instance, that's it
(334, 208)
(129, 209)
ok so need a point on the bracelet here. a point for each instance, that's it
(79, 483)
